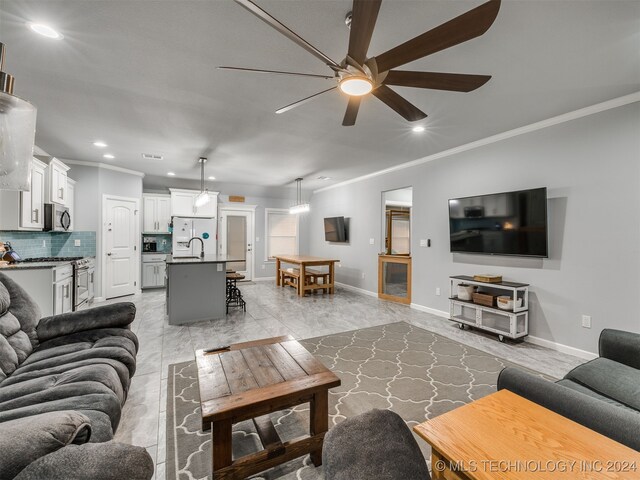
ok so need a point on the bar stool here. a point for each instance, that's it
(234, 295)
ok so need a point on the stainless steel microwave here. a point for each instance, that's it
(56, 218)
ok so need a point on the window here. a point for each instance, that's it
(281, 233)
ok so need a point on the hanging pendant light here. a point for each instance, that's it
(17, 134)
(299, 207)
(203, 196)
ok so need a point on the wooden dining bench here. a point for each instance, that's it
(316, 275)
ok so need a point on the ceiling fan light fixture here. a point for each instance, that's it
(356, 86)
(302, 208)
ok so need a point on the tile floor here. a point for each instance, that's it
(273, 311)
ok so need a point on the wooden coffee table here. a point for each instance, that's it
(505, 436)
(250, 380)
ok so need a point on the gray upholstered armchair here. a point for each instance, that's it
(602, 394)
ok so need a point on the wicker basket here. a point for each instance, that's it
(488, 278)
(485, 299)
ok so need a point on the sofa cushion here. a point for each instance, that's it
(75, 396)
(105, 461)
(25, 440)
(100, 373)
(23, 307)
(5, 299)
(76, 352)
(610, 379)
(587, 391)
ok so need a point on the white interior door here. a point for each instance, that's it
(236, 240)
(121, 241)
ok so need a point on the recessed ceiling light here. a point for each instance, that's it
(212, 178)
(45, 30)
(100, 144)
(171, 174)
(109, 156)
(418, 129)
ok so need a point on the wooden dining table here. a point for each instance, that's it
(304, 261)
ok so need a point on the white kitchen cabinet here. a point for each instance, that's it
(70, 202)
(56, 185)
(157, 213)
(153, 268)
(63, 300)
(183, 204)
(25, 210)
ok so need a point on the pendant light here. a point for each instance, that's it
(299, 207)
(17, 134)
(203, 196)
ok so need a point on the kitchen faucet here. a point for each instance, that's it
(201, 245)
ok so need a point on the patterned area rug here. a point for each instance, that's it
(400, 367)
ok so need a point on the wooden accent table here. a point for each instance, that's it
(252, 379)
(304, 261)
(505, 436)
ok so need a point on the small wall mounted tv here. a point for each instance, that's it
(509, 223)
(335, 229)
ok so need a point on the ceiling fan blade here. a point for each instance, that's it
(363, 21)
(400, 105)
(304, 100)
(352, 112)
(278, 72)
(454, 82)
(286, 31)
(469, 25)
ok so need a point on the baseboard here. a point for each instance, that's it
(559, 347)
(433, 311)
(346, 286)
(99, 299)
(264, 279)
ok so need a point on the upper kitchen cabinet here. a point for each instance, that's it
(156, 213)
(57, 190)
(70, 202)
(25, 210)
(183, 204)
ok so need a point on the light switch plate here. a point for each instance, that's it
(219, 266)
(423, 242)
(372, 241)
(76, 242)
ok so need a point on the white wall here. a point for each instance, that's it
(591, 167)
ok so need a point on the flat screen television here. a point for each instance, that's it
(335, 229)
(510, 223)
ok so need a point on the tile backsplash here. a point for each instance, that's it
(163, 241)
(51, 244)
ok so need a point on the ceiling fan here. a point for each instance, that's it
(358, 75)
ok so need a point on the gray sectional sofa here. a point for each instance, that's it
(602, 394)
(79, 364)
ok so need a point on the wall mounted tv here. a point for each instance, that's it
(510, 223)
(335, 229)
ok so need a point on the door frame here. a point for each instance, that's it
(103, 245)
(241, 208)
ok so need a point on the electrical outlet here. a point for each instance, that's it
(372, 241)
(44, 243)
(423, 242)
(263, 267)
(586, 321)
(438, 291)
(362, 274)
(76, 242)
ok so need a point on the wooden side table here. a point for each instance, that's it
(250, 380)
(505, 436)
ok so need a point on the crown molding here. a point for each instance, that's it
(565, 117)
(106, 166)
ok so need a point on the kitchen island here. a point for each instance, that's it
(196, 288)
